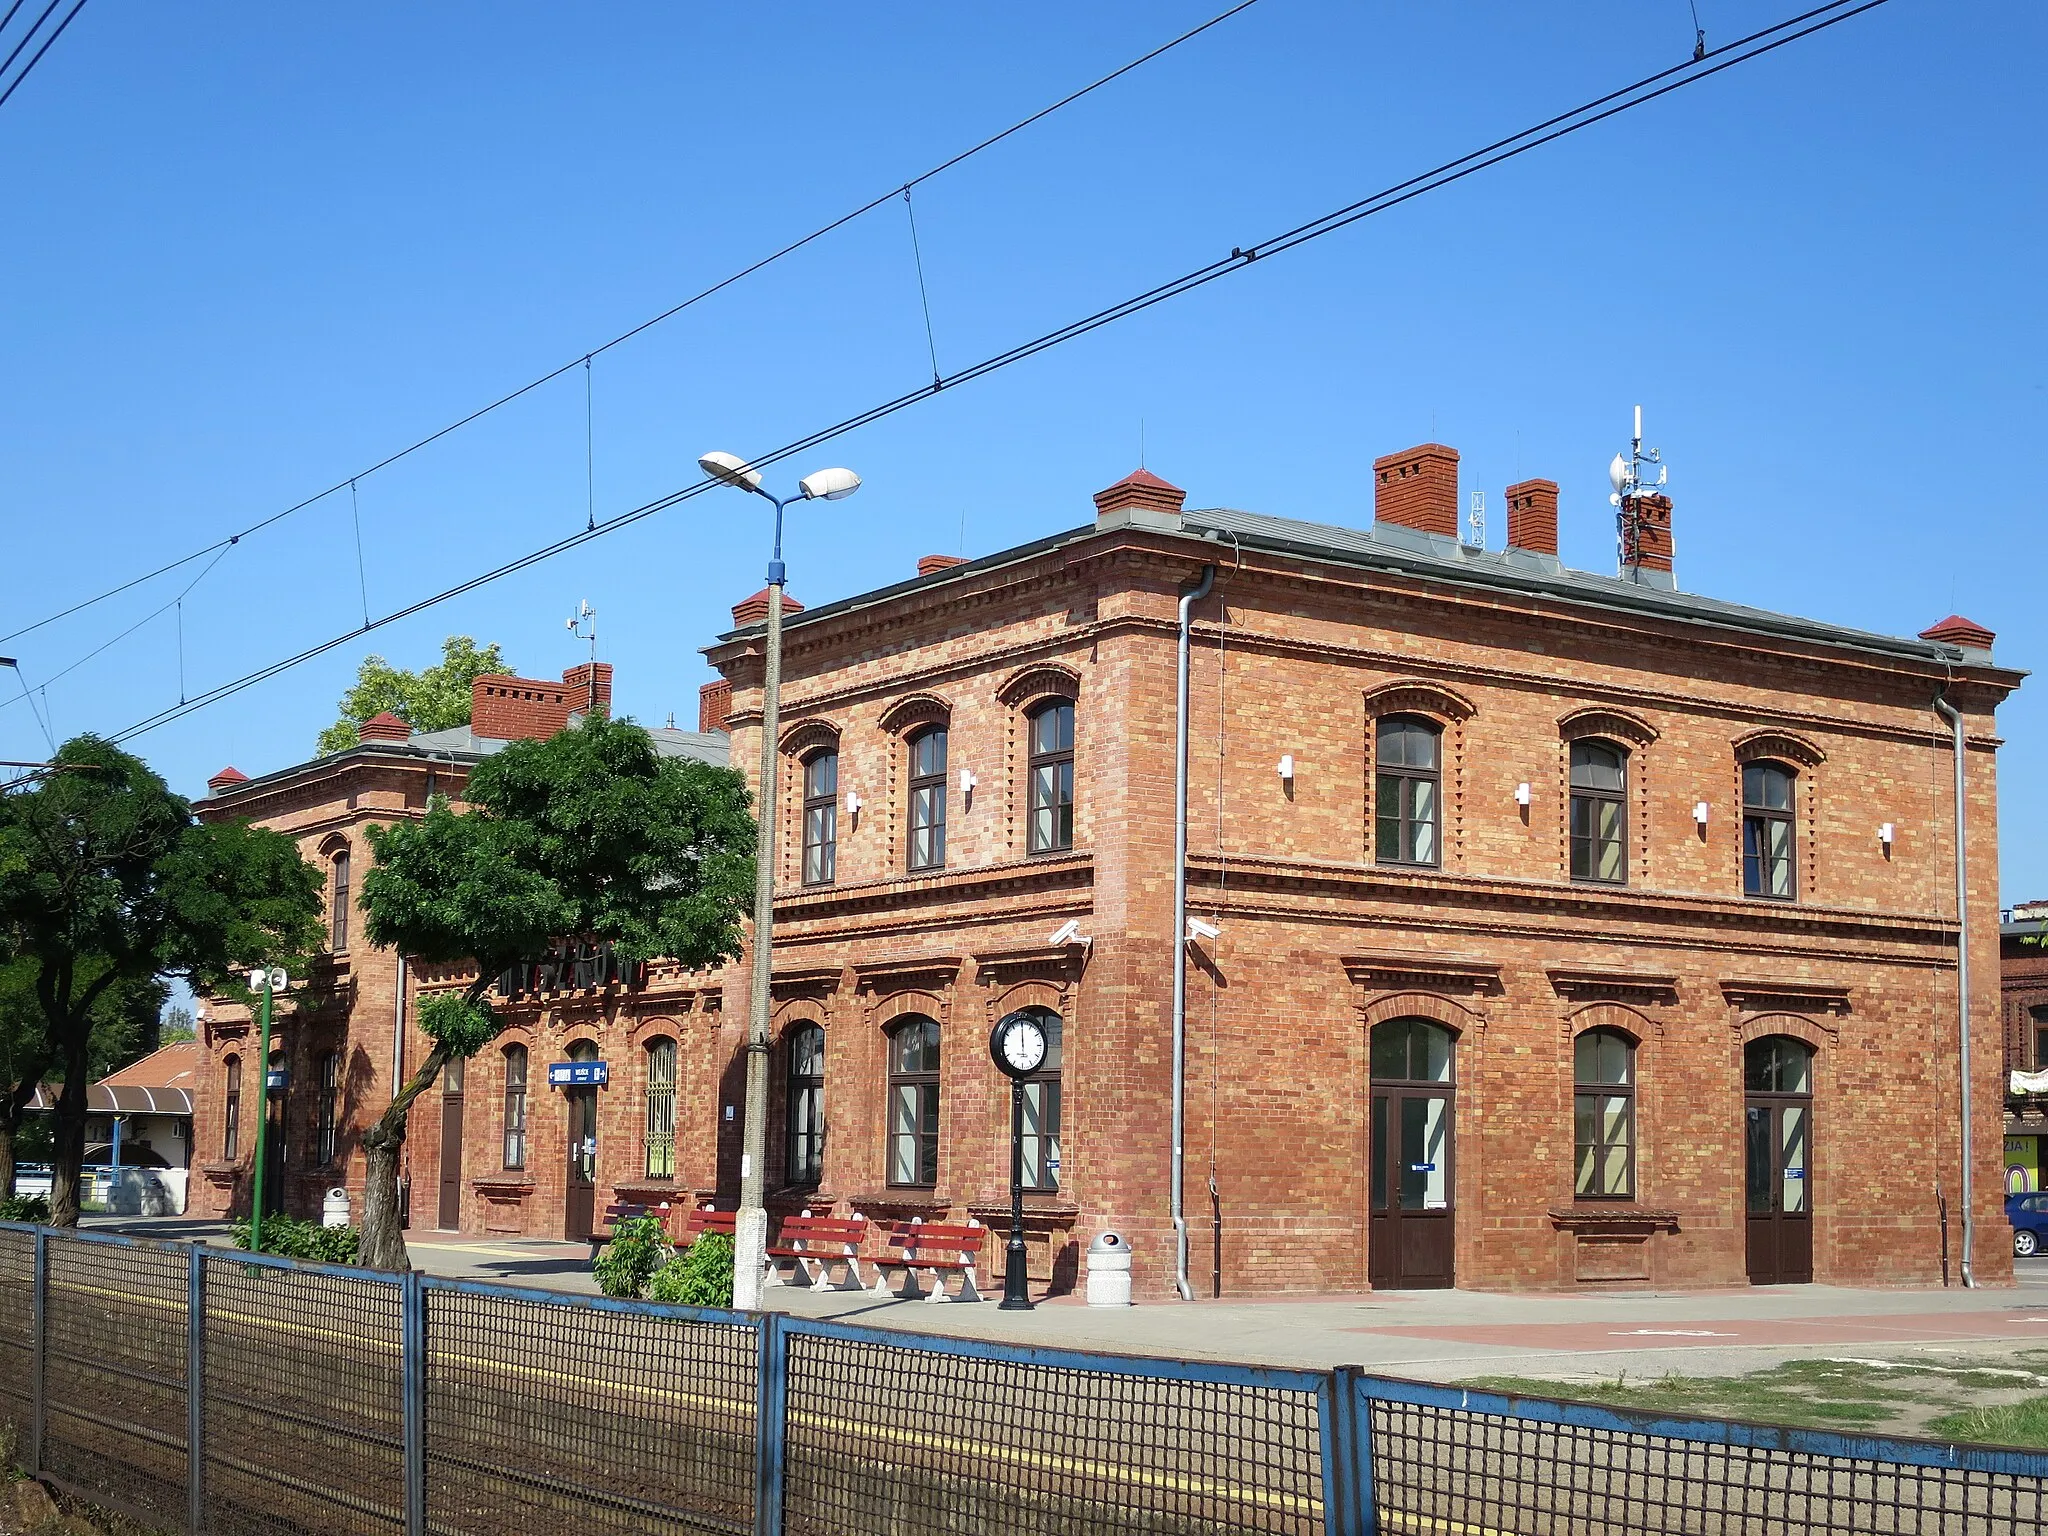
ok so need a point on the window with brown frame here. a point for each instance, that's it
(928, 799)
(661, 1109)
(1042, 1109)
(231, 1133)
(1407, 791)
(1599, 812)
(914, 1103)
(2039, 1015)
(1052, 777)
(821, 817)
(515, 1106)
(326, 1110)
(1604, 1116)
(1767, 826)
(806, 1117)
(337, 911)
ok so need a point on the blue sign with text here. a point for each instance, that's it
(577, 1074)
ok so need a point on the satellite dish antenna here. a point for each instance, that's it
(1617, 472)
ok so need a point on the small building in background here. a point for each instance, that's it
(138, 1133)
(2023, 982)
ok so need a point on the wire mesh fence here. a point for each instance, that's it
(356, 1403)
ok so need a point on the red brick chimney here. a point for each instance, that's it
(590, 687)
(1957, 630)
(930, 563)
(383, 726)
(1418, 488)
(1646, 531)
(503, 708)
(1140, 500)
(1532, 516)
(755, 609)
(714, 703)
(226, 780)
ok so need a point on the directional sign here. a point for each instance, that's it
(578, 1074)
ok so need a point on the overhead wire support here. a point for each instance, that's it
(1595, 111)
(917, 257)
(668, 314)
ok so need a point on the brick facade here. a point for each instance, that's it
(1311, 637)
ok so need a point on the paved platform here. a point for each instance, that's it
(1436, 1335)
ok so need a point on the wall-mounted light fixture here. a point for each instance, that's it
(1521, 794)
(1699, 814)
(1286, 767)
(1884, 835)
(853, 802)
(967, 781)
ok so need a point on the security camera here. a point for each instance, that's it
(1197, 929)
(1068, 932)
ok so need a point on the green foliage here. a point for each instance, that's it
(24, 1208)
(434, 700)
(177, 1025)
(625, 1264)
(2024, 1423)
(701, 1276)
(463, 1026)
(308, 1241)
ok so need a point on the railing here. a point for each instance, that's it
(221, 1391)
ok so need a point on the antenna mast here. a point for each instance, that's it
(1630, 486)
(583, 625)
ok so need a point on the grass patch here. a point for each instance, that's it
(1809, 1394)
(2019, 1424)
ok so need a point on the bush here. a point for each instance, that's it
(624, 1265)
(309, 1241)
(699, 1277)
(25, 1208)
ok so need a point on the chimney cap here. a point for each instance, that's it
(927, 564)
(754, 609)
(1140, 500)
(1957, 630)
(383, 726)
(227, 779)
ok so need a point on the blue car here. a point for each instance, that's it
(2029, 1217)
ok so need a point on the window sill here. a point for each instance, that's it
(1626, 1214)
(514, 1182)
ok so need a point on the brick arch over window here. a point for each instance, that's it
(806, 736)
(1414, 696)
(1782, 745)
(1619, 1017)
(331, 844)
(1040, 680)
(927, 1005)
(1796, 1025)
(914, 710)
(1450, 1013)
(642, 1030)
(1614, 724)
(1027, 994)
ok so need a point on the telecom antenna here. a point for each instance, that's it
(583, 625)
(1475, 522)
(1627, 478)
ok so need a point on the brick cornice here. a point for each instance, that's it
(1591, 984)
(1068, 871)
(1773, 994)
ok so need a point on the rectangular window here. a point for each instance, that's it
(1042, 1111)
(1405, 792)
(821, 818)
(914, 1134)
(1604, 1116)
(338, 907)
(515, 1106)
(325, 1112)
(1052, 778)
(1599, 799)
(928, 799)
(231, 1132)
(1767, 831)
(661, 1109)
(806, 1152)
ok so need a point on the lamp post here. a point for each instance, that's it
(750, 1230)
(268, 982)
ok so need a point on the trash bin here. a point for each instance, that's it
(334, 1209)
(1109, 1271)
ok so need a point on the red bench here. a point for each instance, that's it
(625, 1210)
(809, 1246)
(936, 1249)
(696, 1223)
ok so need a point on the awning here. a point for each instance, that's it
(122, 1100)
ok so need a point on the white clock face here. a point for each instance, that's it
(1024, 1045)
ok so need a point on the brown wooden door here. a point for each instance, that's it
(579, 1205)
(1777, 1150)
(1411, 1221)
(450, 1219)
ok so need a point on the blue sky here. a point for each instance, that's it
(255, 248)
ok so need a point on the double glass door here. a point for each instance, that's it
(1777, 1138)
(1411, 1224)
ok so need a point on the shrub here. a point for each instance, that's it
(308, 1241)
(699, 1277)
(25, 1208)
(625, 1264)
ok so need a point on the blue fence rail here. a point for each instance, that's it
(226, 1392)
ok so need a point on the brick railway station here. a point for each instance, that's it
(1555, 929)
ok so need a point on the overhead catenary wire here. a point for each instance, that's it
(924, 298)
(37, 58)
(1598, 110)
(670, 313)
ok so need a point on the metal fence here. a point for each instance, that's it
(221, 1391)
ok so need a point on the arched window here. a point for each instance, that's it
(928, 799)
(515, 1106)
(806, 1119)
(231, 1132)
(337, 906)
(1604, 1115)
(821, 817)
(1777, 1064)
(1042, 1108)
(914, 1103)
(661, 1109)
(1599, 812)
(1767, 862)
(326, 1111)
(1052, 777)
(1407, 797)
(1411, 1051)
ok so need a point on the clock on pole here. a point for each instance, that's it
(1017, 1045)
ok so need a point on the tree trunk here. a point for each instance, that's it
(383, 1242)
(6, 1153)
(67, 1158)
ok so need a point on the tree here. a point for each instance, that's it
(434, 700)
(178, 1025)
(121, 1020)
(106, 880)
(589, 834)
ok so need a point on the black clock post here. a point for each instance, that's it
(1016, 1289)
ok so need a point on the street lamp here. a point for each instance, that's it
(267, 982)
(750, 1230)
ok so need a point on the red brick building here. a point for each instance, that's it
(1551, 928)
(2023, 980)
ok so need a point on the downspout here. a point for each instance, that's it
(403, 1214)
(1188, 598)
(1954, 717)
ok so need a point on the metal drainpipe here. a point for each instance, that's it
(1954, 717)
(1188, 598)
